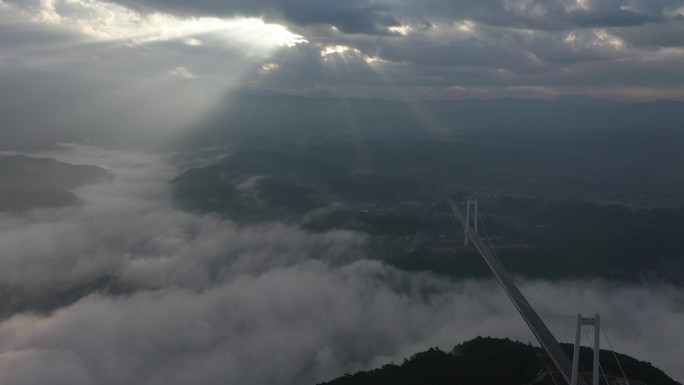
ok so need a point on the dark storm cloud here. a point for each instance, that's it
(483, 60)
(506, 44)
(553, 15)
(670, 34)
(362, 16)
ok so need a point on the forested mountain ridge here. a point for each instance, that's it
(584, 232)
(28, 182)
(493, 361)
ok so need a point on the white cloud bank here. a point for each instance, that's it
(212, 302)
(108, 21)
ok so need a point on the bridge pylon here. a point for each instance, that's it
(539, 329)
(596, 323)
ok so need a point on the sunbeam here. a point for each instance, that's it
(142, 61)
(106, 21)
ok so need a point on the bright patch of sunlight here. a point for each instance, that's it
(465, 25)
(578, 5)
(374, 59)
(603, 38)
(669, 53)
(270, 67)
(525, 7)
(338, 49)
(192, 42)
(677, 12)
(401, 30)
(183, 73)
(343, 52)
(108, 21)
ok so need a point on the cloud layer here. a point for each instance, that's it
(132, 73)
(206, 300)
(447, 49)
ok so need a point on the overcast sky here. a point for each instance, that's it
(390, 48)
(129, 66)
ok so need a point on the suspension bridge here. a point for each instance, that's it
(559, 322)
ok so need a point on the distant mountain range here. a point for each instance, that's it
(27, 182)
(571, 147)
(313, 120)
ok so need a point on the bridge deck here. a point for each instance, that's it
(539, 329)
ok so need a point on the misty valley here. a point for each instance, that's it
(543, 226)
(266, 235)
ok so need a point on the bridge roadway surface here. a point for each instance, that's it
(539, 329)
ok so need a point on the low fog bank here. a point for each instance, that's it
(204, 300)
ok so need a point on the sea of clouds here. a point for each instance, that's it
(201, 299)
